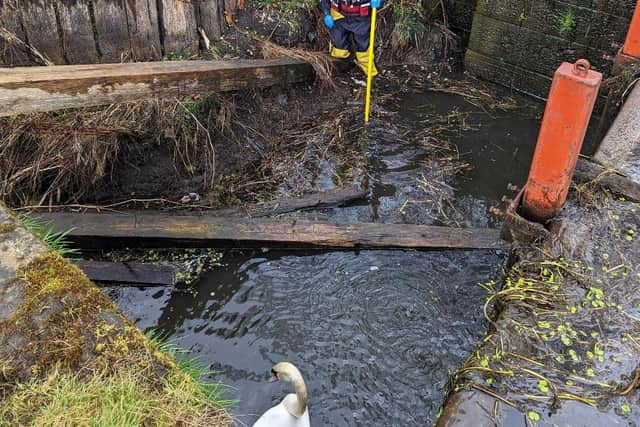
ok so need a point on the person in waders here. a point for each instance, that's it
(346, 18)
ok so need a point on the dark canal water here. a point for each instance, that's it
(375, 333)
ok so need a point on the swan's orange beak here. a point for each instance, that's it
(274, 377)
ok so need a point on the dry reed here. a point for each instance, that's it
(62, 157)
(322, 64)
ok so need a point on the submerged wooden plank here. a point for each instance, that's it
(40, 89)
(133, 273)
(319, 200)
(77, 32)
(207, 229)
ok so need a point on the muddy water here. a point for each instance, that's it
(374, 332)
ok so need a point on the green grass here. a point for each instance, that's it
(57, 241)
(108, 400)
(192, 367)
(127, 397)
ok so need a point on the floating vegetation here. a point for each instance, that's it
(563, 329)
(191, 263)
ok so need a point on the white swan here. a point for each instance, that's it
(293, 410)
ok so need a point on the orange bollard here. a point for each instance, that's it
(571, 99)
(632, 44)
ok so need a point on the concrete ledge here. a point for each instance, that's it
(620, 148)
(61, 336)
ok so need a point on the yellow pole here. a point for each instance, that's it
(372, 38)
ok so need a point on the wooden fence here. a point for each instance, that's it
(92, 31)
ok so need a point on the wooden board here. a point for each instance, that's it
(41, 28)
(129, 272)
(211, 17)
(319, 200)
(78, 42)
(209, 230)
(179, 27)
(587, 171)
(144, 32)
(40, 89)
(112, 30)
(10, 53)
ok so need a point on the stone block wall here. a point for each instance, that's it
(520, 43)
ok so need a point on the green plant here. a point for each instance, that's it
(175, 57)
(286, 10)
(57, 241)
(192, 367)
(567, 22)
(409, 21)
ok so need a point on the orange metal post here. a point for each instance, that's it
(573, 93)
(632, 44)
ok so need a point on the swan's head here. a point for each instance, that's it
(285, 371)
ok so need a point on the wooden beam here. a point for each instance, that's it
(40, 89)
(320, 200)
(617, 183)
(209, 230)
(132, 273)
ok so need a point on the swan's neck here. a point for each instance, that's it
(296, 404)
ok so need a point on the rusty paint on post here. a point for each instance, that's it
(573, 94)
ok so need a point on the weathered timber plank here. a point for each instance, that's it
(617, 183)
(129, 272)
(41, 28)
(112, 30)
(319, 200)
(209, 229)
(144, 30)
(180, 34)
(11, 53)
(39, 89)
(210, 17)
(77, 32)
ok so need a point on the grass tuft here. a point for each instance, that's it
(56, 241)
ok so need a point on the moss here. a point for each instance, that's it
(67, 335)
(7, 227)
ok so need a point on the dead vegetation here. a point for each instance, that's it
(54, 158)
(322, 64)
(564, 319)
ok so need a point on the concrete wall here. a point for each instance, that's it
(520, 43)
(90, 31)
